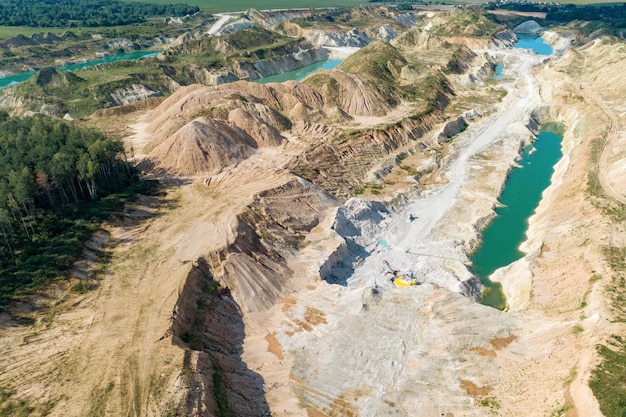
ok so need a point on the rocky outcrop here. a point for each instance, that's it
(186, 37)
(122, 43)
(291, 59)
(11, 101)
(138, 43)
(249, 55)
(196, 74)
(116, 111)
(237, 25)
(52, 110)
(530, 26)
(353, 38)
(132, 94)
(219, 102)
(451, 128)
(559, 43)
(364, 85)
(270, 231)
(406, 19)
(269, 19)
(358, 222)
(419, 40)
(342, 165)
(348, 92)
(386, 33)
(207, 324)
(503, 39)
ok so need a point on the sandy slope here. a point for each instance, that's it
(533, 361)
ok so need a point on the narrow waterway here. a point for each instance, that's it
(519, 199)
(126, 56)
(300, 73)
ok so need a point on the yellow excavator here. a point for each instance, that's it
(400, 280)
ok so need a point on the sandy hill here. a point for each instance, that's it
(419, 40)
(370, 83)
(201, 146)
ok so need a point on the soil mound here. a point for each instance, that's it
(219, 101)
(202, 146)
(349, 92)
(419, 40)
(51, 77)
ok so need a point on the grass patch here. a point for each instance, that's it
(608, 381)
(374, 188)
(490, 402)
(409, 169)
(562, 411)
(468, 21)
(616, 257)
(378, 63)
(10, 407)
(221, 393)
(99, 398)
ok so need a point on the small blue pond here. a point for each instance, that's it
(534, 42)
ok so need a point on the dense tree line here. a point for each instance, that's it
(56, 185)
(79, 13)
(612, 14)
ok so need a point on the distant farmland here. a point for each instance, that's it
(218, 6)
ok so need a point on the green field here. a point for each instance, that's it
(587, 2)
(219, 6)
(11, 31)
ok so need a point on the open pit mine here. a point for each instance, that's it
(309, 253)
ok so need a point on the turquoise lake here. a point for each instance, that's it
(533, 42)
(300, 73)
(520, 197)
(498, 69)
(127, 56)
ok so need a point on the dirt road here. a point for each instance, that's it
(431, 207)
(612, 131)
